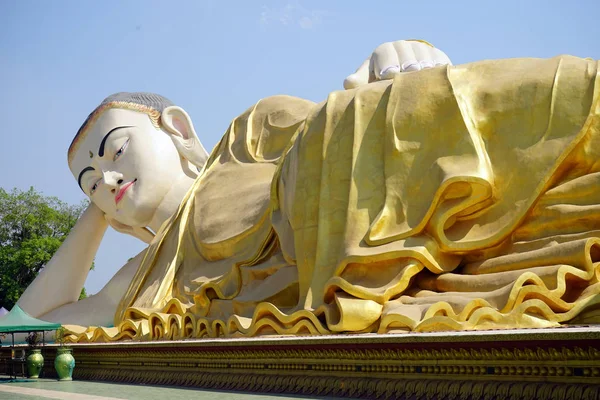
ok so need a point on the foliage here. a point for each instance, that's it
(32, 228)
(60, 335)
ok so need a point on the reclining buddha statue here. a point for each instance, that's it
(424, 197)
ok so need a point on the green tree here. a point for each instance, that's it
(32, 228)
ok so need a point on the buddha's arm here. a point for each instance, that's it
(98, 309)
(61, 280)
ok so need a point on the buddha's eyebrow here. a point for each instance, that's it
(101, 149)
(83, 171)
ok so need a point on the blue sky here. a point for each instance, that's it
(59, 59)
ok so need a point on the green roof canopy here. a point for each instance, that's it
(18, 320)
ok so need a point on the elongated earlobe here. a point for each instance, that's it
(178, 123)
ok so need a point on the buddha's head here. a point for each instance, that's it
(129, 153)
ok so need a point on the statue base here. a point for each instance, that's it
(560, 363)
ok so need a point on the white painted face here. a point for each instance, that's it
(126, 166)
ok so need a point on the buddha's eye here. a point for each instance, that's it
(121, 150)
(94, 187)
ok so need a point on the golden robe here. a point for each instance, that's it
(459, 197)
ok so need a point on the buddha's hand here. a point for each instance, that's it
(144, 234)
(392, 58)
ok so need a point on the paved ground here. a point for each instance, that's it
(82, 390)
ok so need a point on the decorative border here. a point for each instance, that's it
(351, 387)
(537, 365)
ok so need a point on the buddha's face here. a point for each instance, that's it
(126, 166)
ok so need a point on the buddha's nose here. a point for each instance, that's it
(113, 180)
(114, 190)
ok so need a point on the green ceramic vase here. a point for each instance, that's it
(64, 364)
(35, 363)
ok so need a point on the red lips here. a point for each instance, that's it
(121, 192)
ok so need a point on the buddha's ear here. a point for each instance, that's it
(178, 123)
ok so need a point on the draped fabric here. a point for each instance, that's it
(459, 197)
